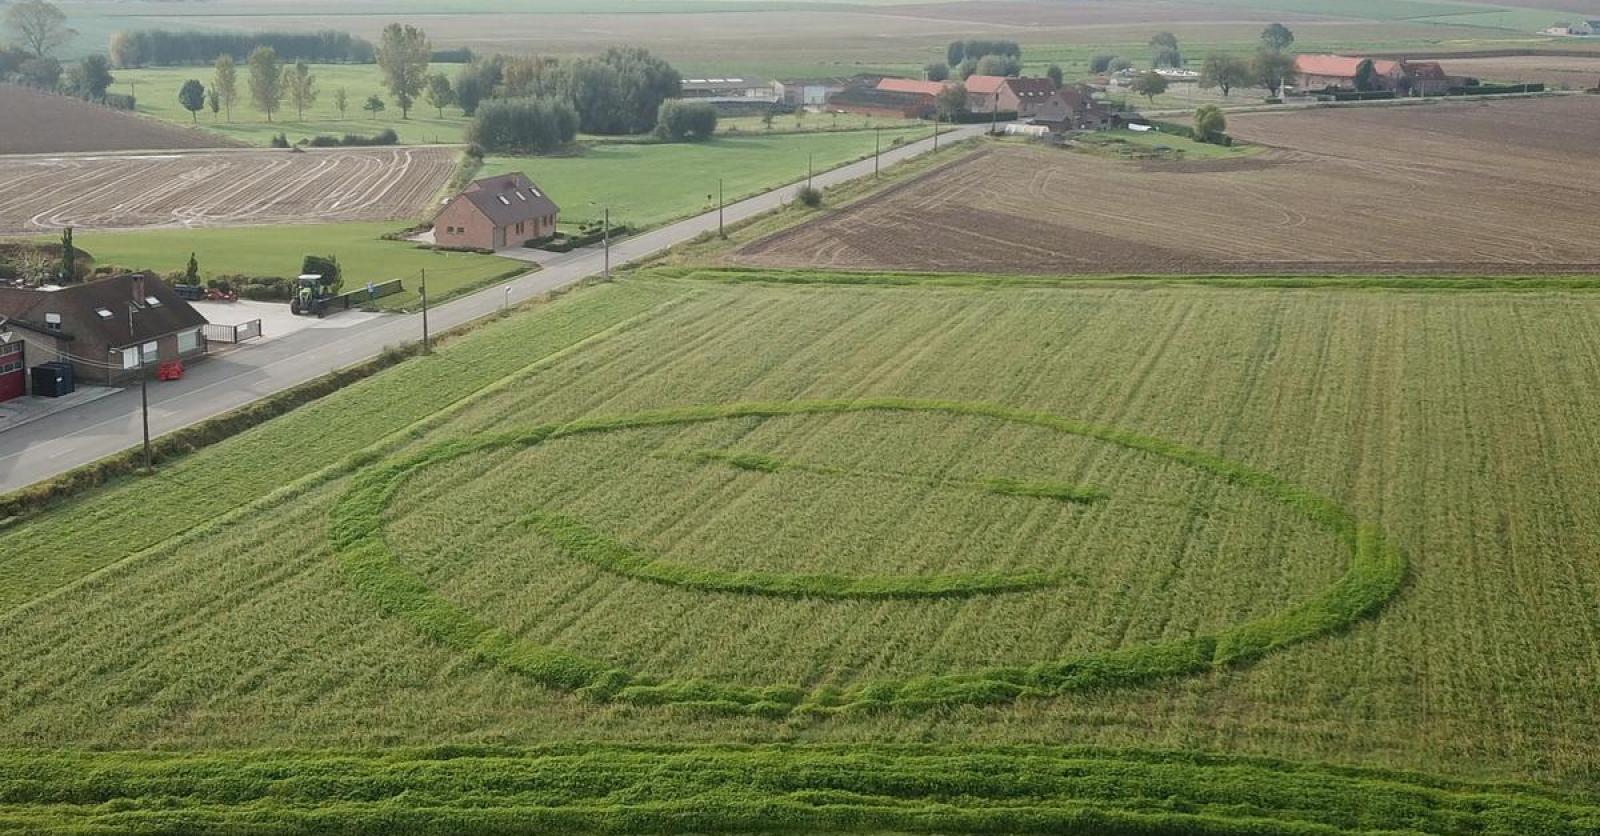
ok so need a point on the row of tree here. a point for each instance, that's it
(159, 47)
(619, 92)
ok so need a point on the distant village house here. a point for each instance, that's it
(497, 213)
(1323, 72)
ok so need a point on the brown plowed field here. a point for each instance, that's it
(219, 188)
(1498, 189)
(32, 122)
(1575, 72)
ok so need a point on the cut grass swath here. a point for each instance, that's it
(1375, 574)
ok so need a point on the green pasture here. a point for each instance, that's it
(278, 250)
(646, 184)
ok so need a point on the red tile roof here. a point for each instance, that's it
(906, 85)
(984, 85)
(1340, 66)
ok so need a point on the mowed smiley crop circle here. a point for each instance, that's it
(1373, 574)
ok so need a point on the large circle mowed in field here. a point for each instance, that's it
(826, 555)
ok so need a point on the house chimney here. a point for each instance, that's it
(138, 289)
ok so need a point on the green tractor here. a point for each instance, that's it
(319, 282)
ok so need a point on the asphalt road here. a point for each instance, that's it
(46, 448)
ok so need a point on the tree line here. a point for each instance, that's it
(159, 47)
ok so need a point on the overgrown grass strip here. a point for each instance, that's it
(860, 788)
(1375, 574)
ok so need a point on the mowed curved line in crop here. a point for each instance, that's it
(1375, 574)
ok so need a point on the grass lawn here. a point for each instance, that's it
(1126, 141)
(157, 91)
(277, 250)
(649, 184)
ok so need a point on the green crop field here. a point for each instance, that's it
(278, 250)
(724, 551)
(646, 184)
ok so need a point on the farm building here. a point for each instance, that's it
(104, 327)
(1072, 108)
(1022, 96)
(496, 213)
(888, 104)
(732, 90)
(812, 92)
(931, 89)
(1582, 28)
(1321, 72)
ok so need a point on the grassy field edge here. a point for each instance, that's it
(749, 789)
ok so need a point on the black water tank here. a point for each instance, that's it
(52, 380)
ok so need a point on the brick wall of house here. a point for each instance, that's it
(462, 225)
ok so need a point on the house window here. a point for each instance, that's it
(188, 341)
(152, 301)
(151, 352)
(103, 313)
(52, 322)
(130, 358)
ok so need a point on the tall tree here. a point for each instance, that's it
(936, 71)
(1209, 123)
(266, 80)
(302, 89)
(1054, 73)
(373, 105)
(1271, 68)
(1277, 37)
(225, 78)
(341, 100)
(1164, 50)
(1366, 76)
(403, 54)
(952, 102)
(39, 27)
(192, 95)
(440, 94)
(1150, 84)
(213, 102)
(1225, 71)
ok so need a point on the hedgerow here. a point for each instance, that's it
(1375, 574)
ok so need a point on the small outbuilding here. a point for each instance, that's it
(496, 213)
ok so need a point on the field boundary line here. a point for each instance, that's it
(345, 465)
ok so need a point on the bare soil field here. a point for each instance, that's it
(1447, 189)
(219, 188)
(1577, 73)
(32, 122)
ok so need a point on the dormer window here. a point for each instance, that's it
(504, 199)
(103, 313)
(152, 301)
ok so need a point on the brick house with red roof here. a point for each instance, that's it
(496, 213)
(1007, 94)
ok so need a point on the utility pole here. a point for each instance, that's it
(427, 345)
(994, 114)
(720, 233)
(936, 130)
(810, 159)
(607, 236)
(877, 149)
(144, 391)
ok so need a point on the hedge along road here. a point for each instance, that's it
(47, 448)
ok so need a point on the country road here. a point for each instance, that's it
(46, 448)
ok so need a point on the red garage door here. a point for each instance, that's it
(13, 371)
